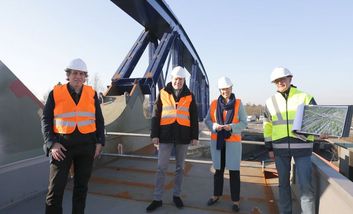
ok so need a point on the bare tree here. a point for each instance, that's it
(45, 97)
(253, 109)
(96, 83)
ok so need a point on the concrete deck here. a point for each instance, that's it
(125, 185)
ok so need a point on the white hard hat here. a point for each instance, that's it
(77, 64)
(178, 71)
(280, 72)
(224, 82)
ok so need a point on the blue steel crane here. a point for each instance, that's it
(165, 36)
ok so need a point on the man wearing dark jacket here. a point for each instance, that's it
(174, 125)
(73, 130)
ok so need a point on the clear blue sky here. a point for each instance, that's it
(244, 40)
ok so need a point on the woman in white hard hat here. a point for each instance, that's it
(226, 119)
(73, 130)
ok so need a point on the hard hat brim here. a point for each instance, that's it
(70, 69)
(273, 81)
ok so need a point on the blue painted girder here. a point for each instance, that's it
(167, 36)
(157, 18)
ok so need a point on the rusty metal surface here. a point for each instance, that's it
(133, 179)
(125, 184)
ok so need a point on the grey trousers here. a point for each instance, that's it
(165, 150)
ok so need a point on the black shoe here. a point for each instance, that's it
(154, 205)
(235, 208)
(178, 202)
(212, 201)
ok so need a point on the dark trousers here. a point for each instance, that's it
(219, 179)
(82, 158)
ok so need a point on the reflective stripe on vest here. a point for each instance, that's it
(172, 111)
(292, 145)
(68, 115)
(282, 113)
(213, 114)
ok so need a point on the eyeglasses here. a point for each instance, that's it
(280, 80)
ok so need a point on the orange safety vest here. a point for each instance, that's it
(175, 111)
(68, 115)
(234, 137)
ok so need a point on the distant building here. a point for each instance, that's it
(251, 118)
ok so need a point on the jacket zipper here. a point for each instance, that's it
(287, 125)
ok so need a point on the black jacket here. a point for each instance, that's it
(76, 137)
(175, 133)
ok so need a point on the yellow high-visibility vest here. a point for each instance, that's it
(283, 114)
